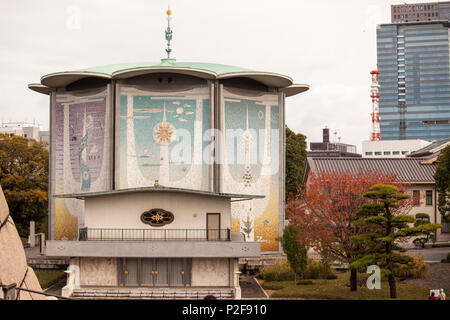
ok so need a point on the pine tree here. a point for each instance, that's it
(385, 222)
(423, 218)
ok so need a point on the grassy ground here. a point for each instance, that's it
(48, 278)
(336, 290)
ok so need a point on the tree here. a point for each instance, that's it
(296, 251)
(423, 218)
(295, 161)
(442, 178)
(387, 221)
(24, 179)
(326, 209)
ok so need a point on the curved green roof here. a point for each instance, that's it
(218, 69)
(199, 69)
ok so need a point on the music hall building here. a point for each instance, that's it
(164, 174)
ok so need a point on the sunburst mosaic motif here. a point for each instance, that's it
(164, 133)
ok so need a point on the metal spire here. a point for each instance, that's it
(168, 32)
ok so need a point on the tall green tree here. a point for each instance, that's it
(386, 222)
(296, 251)
(295, 162)
(442, 178)
(24, 180)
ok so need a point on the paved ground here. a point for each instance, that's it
(56, 288)
(438, 277)
(33, 252)
(432, 254)
(250, 288)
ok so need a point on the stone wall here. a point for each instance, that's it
(211, 272)
(98, 271)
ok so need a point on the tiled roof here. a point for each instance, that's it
(405, 169)
(436, 146)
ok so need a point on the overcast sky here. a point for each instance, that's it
(328, 44)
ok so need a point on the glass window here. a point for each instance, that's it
(429, 198)
(369, 153)
(396, 153)
(404, 152)
(387, 153)
(416, 197)
(378, 153)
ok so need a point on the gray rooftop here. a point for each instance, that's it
(405, 169)
(82, 196)
(431, 149)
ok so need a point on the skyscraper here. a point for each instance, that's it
(420, 12)
(413, 60)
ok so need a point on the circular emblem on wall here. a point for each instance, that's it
(157, 217)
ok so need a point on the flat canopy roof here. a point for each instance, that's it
(202, 70)
(83, 196)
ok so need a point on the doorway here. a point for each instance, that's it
(154, 272)
(213, 226)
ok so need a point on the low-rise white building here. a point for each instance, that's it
(391, 148)
(26, 130)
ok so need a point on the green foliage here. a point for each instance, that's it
(295, 161)
(411, 268)
(275, 285)
(446, 260)
(384, 227)
(332, 277)
(296, 252)
(305, 282)
(317, 270)
(49, 278)
(276, 272)
(423, 221)
(440, 245)
(24, 180)
(442, 178)
(283, 272)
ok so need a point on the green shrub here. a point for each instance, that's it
(441, 245)
(48, 278)
(276, 272)
(305, 282)
(268, 285)
(332, 277)
(283, 272)
(317, 270)
(446, 260)
(415, 269)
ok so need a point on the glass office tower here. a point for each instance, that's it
(413, 60)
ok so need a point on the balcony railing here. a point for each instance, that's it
(102, 234)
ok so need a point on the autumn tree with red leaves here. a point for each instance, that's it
(325, 210)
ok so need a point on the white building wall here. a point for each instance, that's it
(430, 209)
(124, 210)
(391, 148)
(23, 129)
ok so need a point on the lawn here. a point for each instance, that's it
(336, 290)
(48, 278)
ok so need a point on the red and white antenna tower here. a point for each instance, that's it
(375, 95)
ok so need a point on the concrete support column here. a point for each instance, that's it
(32, 236)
